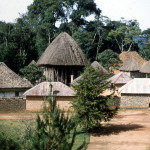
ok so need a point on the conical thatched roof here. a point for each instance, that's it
(9, 79)
(33, 63)
(131, 65)
(99, 67)
(63, 51)
(95, 65)
(120, 78)
(125, 56)
(145, 68)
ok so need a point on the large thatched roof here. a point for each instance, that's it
(9, 79)
(145, 68)
(99, 67)
(43, 89)
(125, 56)
(131, 65)
(63, 51)
(120, 78)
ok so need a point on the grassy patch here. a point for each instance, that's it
(15, 129)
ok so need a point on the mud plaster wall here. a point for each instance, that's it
(35, 103)
(134, 101)
(12, 104)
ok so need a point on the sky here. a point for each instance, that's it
(114, 9)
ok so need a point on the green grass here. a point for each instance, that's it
(15, 129)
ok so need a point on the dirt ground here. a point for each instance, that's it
(129, 130)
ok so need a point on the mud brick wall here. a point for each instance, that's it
(12, 104)
(134, 101)
(35, 103)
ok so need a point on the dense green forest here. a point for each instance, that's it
(28, 37)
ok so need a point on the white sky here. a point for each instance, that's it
(114, 9)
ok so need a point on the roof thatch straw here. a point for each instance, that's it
(33, 63)
(63, 51)
(100, 68)
(120, 78)
(43, 89)
(145, 68)
(131, 65)
(9, 79)
(125, 56)
(95, 65)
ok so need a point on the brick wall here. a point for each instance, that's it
(12, 104)
(134, 101)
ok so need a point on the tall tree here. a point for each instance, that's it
(90, 107)
(124, 34)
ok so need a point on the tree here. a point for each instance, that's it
(109, 59)
(90, 106)
(54, 130)
(125, 33)
(32, 73)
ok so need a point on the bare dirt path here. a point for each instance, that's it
(129, 130)
(17, 115)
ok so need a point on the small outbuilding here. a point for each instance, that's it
(36, 95)
(11, 85)
(120, 79)
(133, 67)
(136, 93)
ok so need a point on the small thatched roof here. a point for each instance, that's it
(33, 63)
(74, 82)
(100, 68)
(9, 79)
(120, 78)
(136, 86)
(125, 56)
(130, 65)
(145, 68)
(43, 89)
(63, 51)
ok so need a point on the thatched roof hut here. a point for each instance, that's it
(145, 68)
(9, 79)
(130, 65)
(100, 68)
(33, 63)
(125, 56)
(63, 51)
(120, 79)
(62, 58)
(10, 83)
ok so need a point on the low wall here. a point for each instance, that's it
(35, 103)
(12, 104)
(134, 101)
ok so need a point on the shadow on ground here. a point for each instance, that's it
(116, 129)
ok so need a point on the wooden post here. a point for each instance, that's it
(72, 78)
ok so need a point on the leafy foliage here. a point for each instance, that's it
(109, 59)
(8, 143)
(33, 74)
(90, 107)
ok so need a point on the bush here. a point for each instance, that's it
(8, 143)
